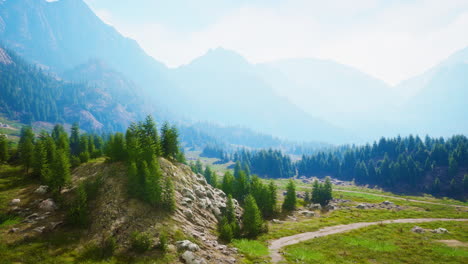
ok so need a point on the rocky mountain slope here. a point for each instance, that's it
(191, 229)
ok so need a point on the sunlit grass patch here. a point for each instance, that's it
(253, 250)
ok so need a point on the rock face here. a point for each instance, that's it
(191, 258)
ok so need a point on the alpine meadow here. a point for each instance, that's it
(225, 132)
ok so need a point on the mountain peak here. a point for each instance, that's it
(220, 57)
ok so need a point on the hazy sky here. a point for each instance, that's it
(391, 40)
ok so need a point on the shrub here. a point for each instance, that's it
(163, 242)
(108, 247)
(141, 242)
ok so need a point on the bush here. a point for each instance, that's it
(78, 212)
(163, 242)
(84, 157)
(225, 232)
(108, 247)
(141, 242)
(75, 161)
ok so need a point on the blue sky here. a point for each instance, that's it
(391, 40)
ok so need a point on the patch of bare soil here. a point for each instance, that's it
(453, 243)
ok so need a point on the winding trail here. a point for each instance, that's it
(277, 244)
(400, 198)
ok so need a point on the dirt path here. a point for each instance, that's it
(276, 245)
(400, 198)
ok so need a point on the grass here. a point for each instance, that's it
(253, 250)
(392, 243)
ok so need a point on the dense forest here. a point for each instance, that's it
(409, 164)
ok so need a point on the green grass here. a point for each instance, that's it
(392, 243)
(254, 251)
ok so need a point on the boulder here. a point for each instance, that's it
(292, 218)
(190, 258)
(42, 189)
(54, 225)
(276, 221)
(15, 202)
(307, 213)
(418, 230)
(188, 213)
(13, 230)
(39, 229)
(48, 205)
(315, 207)
(187, 245)
(440, 230)
(200, 191)
(331, 207)
(361, 206)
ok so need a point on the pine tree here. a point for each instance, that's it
(272, 200)
(78, 212)
(168, 199)
(289, 203)
(237, 170)
(252, 219)
(26, 147)
(153, 189)
(225, 230)
(214, 179)
(60, 172)
(198, 166)
(241, 186)
(4, 149)
(149, 139)
(327, 191)
(228, 183)
(315, 197)
(134, 183)
(75, 140)
(39, 158)
(169, 141)
(208, 173)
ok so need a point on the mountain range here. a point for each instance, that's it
(298, 99)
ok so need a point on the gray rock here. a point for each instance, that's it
(13, 230)
(307, 213)
(54, 225)
(276, 221)
(188, 213)
(440, 230)
(42, 189)
(216, 211)
(387, 203)
(418, 230)
(187, 245)
(191, 258)
(315, 207)
(361, 206)
(15, 202)
(39, 229)
(292, 218)
(48, 205)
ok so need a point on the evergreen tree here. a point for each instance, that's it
(149, 139)
(39, 158)
(327, 191)
(78, 212)
(169, 141)
(252, 219)
(26, 147)
(228, 183)
(75, 140)
(289, 203)
(168, 199)
(225, 230)
(4, 149)
(241, 186)
(237, 170)
(134, 182)
(272, 201)
(60, 172)
(198, 166)
(153, 189)
(214, 179)
(208, 173)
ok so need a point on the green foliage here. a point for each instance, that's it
(78, 210)
(241, 186)
(163, 242)
(26, 147)
(4, 149)
(289, 203)
(108, 247)
(170, 141)
(228, 183)
(225, 230)
(141, 242)
(168, 199)
(75, 139)
(322, 193)
(252, 222)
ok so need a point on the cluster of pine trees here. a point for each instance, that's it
(322, 193)
(431, 165)
(50, 156)
(267, 163)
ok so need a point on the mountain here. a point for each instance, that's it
(62, 34)
(30, 94)
(439, 106)
(337, 93)
(223, 87)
